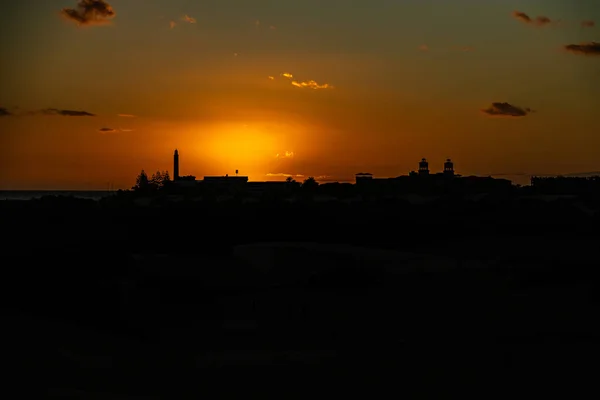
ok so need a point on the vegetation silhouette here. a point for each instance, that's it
(438, 283)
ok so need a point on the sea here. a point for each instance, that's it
(36, 194)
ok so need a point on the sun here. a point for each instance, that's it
(241, 147)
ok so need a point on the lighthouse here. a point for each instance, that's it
(423, 167)
(449, 168)
(176, 165)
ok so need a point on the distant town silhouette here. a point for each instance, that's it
(422, 181)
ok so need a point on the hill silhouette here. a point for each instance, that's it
(168, 288)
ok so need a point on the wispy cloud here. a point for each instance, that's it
(506, 110)
(539, 20)
(65, 113)
(188, 19)
(287, 154)
(4, 112)
(113, 130)
(172, 24)
(127, 115)
(588, 49)
(107, 130)
(90, 12)
(312, 85)
(588, 24)
(282, 175)
(271, 77)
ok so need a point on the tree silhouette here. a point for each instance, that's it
(141, 182)
(289, 179)
(310, 184)
(159, 179)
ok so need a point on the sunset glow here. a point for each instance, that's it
(93, 92)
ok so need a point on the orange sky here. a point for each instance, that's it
(212, 84)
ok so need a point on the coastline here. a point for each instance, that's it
(36, 194)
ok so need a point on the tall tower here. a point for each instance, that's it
(176, 165)
(423, 167)
(449, 168)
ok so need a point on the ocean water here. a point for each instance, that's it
(36, 194)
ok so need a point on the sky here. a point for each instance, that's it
(93, 91)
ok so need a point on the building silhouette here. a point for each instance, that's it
(449, 168)
(420, 181)
(176, 165)
(423, 167)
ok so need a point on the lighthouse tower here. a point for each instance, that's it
(423, 167)
(449, 168)
(176, 165)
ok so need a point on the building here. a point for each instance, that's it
(176, 165)
(230, 184)
(423, 167)
(449, 168)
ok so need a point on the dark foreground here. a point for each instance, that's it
(130, 302)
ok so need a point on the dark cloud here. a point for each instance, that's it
(90, 12)
(4, 112)
(107, 130)
(66, 113)
(540, 20)
(521, 16)
(588, 24)
(506, 110)
(588, 49)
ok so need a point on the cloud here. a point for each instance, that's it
(282, 175)
(66, 113)
(423, 47)
(47, 111)
(308, 84)
(521, 16)
(287, 154)
(90, 12)
(506, 110)
(539, 20)
(113, 130)
(588, 24)
(188, 19)
(588, 49)
(271, 77)
(311, 85)
(107, 130)
(172, 24)
(278, 174)
(127, 115)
